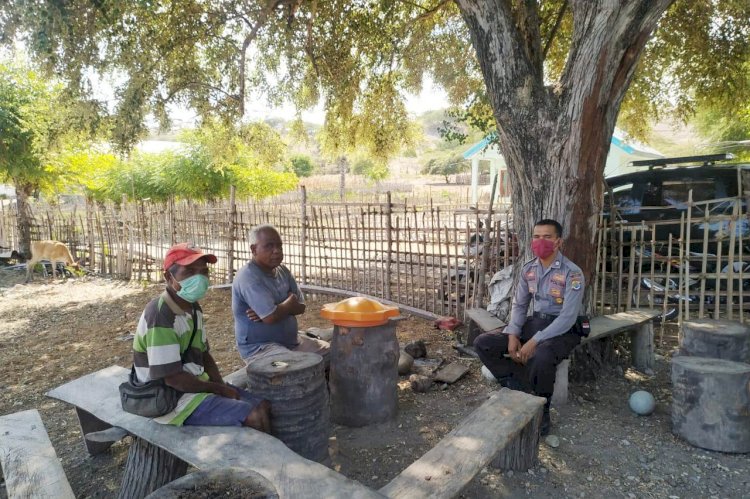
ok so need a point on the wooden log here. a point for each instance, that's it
(91, 424)
(711, 403)
(148, 468)
(30, 466)
(364, 374)
(716, 339)
(642, 347)
(253, 484)
(560, 393)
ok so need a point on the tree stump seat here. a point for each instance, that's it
(716, 339)
(711, 403)
(29, 462)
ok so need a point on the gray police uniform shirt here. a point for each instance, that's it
(558, 290)
(261, 291)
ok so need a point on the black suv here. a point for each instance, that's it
(661, 193)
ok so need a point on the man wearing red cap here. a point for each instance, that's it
(171, 344)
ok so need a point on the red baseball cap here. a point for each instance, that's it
(185, 254)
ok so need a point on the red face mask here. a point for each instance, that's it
(542, 247)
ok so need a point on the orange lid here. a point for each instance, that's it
(358, 312)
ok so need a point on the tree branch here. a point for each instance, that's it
(554, 29)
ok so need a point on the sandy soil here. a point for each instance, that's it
(56, 331)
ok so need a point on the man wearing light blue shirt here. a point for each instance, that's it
(527, 352)
(266, 301)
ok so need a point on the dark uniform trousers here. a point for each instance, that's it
(539, 372)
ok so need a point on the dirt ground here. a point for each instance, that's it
(53, 332)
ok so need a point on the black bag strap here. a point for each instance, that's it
(195, 328)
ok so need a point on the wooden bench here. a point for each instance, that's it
(28, 460)
(638, 322)
(503, 431)
(103, 422)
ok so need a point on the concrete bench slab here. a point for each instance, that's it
(30, 465)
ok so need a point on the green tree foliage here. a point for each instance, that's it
(215, 157)
(371, 169)
(446, 166)
(302, 165)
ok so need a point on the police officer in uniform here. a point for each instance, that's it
(526, 354)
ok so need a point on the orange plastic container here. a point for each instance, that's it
(358, 312)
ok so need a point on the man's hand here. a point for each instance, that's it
(224, 390)
(514, 345)
(252, 315)
(527, 351)
(291, 300)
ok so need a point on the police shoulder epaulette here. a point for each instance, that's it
(528, 262)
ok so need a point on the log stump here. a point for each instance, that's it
(522, 452)
(295, 384)
(227, 483)
(148, 468)
(716, 339)
(711, 403)
(364, 374)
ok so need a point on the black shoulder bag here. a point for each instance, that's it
(154, 398)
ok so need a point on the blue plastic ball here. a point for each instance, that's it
(642, 403)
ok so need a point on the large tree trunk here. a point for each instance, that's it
(555, 139)
(24, 217)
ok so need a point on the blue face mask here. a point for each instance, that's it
(193, 288)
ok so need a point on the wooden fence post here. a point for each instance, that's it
(389, 239)
(232, 233)
(479, 291)
(303, 236)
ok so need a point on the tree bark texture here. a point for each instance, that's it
(364, 374)
(148, 467)
(522, 453)
(23, 193)
(711, 403)
(555, 138)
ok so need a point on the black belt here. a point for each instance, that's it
(539, 315)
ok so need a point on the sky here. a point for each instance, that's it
(431, 98)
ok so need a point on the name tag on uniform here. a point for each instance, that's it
(558, 278)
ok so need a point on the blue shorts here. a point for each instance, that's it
(216, 410)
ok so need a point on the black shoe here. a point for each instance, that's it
(546, 425)
(512, 383)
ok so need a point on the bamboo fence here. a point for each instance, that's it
(413, 255)
(419, 255)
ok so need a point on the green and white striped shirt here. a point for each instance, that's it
(161, 338)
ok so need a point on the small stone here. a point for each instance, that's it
(625, 442)
(416, 349)
(617, 483)
(509, 473)
(405, 362)
(552, 440)
(590, 478)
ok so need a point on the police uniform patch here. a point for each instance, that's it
(559, 278)
(556, 292)
(530, 275)
(576, 285)
(558, 300)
